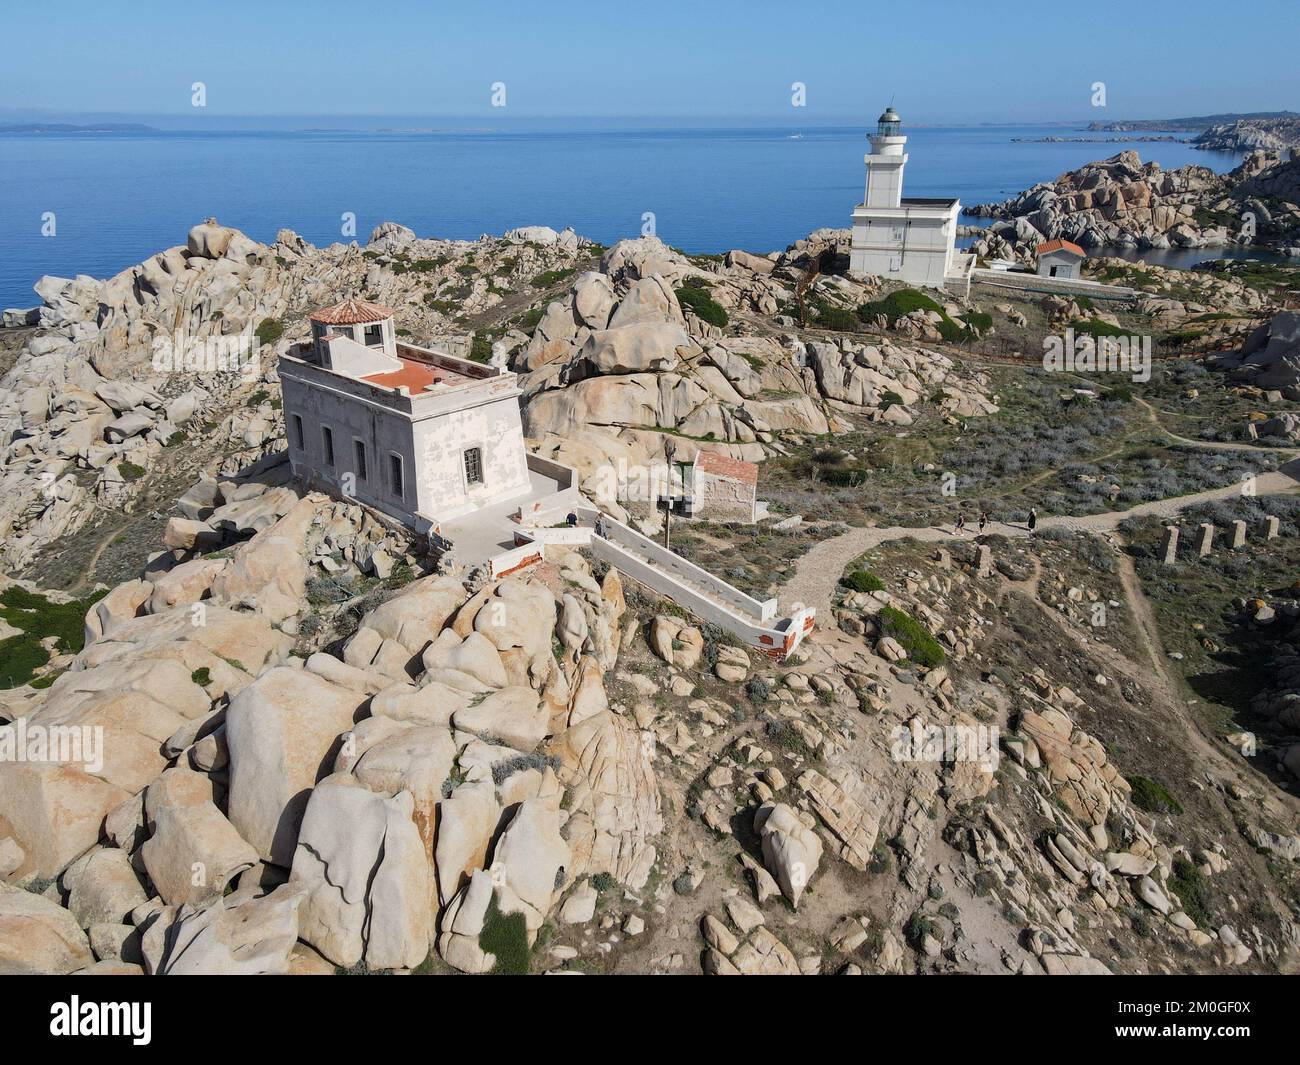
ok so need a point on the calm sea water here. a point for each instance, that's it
(118, 198)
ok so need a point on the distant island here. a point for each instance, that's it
(1192, 125)
(1149, 139)
(1272, 131)
(65, 127)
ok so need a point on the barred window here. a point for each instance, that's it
(474, 466)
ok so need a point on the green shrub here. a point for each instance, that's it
(898, 304)
(980, 320)
(1189, 884)
(547, 278)
(890, 399)
(839, 319)
(697, 298)
(862, 580)
(269, 330)
(480, 350)
(506, 936)
(202, 676)
(921, 647)
(1152, 797)
(130, 471)
(1097, 328)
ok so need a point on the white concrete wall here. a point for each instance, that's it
(722, 498)
(440, 445)
(1067, 265)
(884, 180)
(381, 431)
(344, 355)
(919, 253)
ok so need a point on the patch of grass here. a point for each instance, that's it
(202, 676)
(38, 618)
(130, 471)
(1152, 797)
(506, 936)
(921, 647)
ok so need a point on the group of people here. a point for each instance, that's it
(960, 525)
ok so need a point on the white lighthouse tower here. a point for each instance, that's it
(885, 163)
(906, 239)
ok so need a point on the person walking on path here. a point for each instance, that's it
(1033, 520)
(960, 527)
(984, 520)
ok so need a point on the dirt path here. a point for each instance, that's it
(817, 572)
(1153, 416)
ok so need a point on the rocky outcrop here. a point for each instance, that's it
(1123, 202)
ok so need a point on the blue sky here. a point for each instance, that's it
(943, 61)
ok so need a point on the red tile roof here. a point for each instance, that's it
(1060, 245)
(725, 466)
(352, 312)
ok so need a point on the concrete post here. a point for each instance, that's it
(984, 562)
(1238, 535)
(1270, 528)
(1205, 543)
(1169, 546)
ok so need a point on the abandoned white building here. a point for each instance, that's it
(437, 443)
(903, 238)
(723, 488)
(1060, 258)
(422, 436)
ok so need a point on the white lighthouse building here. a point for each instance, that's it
(894, 236)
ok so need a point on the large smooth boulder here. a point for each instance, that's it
(282, 732)
(531, 860)
(514, 715)
(38, 937)
(641, 347)
(792, 850)
(237, 935)
(102, 887)
(363, 865)
(194, 853)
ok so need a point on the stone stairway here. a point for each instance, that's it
(703, 591)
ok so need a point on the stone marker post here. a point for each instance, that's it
(1270, 528)
(1206, 542)
(1169, 546)
(984, 562)
(1238, 535)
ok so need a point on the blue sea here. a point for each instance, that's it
(119, 197)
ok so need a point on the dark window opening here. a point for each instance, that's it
(327, 439)
(298, 441)
(362, 472)
(474, 466)
(395, 475)
(374, 336)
